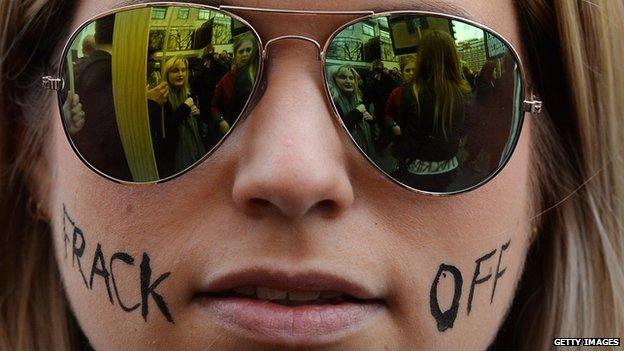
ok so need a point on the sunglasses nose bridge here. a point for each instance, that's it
(265, 52)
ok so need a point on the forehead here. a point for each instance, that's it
(498, 15)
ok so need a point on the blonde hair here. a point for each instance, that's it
(177, 96)
(573, 284)
(34, 312)
(439, 69)
(357, 92)
(406, 60)
(252, 65)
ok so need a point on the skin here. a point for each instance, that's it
(378, 68)
(243, 53)
(408, 71)
(323, 207)
(88, 45)
(345, 80)
(177, 74)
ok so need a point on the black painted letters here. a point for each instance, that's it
(446, 319)
(145, 285)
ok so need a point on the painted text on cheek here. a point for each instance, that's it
(75, 242)
(446, 318)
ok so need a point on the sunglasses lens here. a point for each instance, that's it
(433, 102)
(148, 92)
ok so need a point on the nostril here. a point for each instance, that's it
(327, 208)
(258, 207)
(259, 203)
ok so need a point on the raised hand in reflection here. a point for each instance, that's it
(224, 127)
(194, 110)
(73, 115)
(365, 114)
(159, 93)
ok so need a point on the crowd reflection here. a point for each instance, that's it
(193, 98)
(431, 122)
(429, 109)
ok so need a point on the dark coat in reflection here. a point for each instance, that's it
(164, 123)
(203, 85)
(493, 115)
(376, 92)
(99, 141)
(360, 129)
(420, 140)
(204, 82)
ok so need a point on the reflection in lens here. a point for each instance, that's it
(159, 88)
(433, 102)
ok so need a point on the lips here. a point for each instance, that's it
(289, 282)
(278, 307)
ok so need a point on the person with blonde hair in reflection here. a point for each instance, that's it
(173, 123)
(234, 88)
(433, 110)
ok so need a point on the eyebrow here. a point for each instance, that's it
(442, 7)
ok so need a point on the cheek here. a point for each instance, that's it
(463, 257)
(105, 238)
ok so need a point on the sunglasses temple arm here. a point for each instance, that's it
(533, 106)
(51, 83)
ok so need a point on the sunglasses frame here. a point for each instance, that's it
(56, 83)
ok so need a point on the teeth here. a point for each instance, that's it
(277, 295)
(330, 294)
(270, 294)
(246, 290)
(303, 295)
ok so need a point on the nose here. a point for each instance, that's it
(293, 163)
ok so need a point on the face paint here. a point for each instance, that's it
(446, 318)
(146, 286)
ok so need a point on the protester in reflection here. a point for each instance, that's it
(88, 47)
(407, 64)
(173, 123)
(432, 114)
(376, 88)
(234, 88)
(469, 75)
(98, 140)
(347, 97)
(485, 86)
(206, 75)
(224, 59)
(396, 74)
(490, 139)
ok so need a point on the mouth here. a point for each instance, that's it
(297, 310)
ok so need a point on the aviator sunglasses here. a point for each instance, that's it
(434, 101)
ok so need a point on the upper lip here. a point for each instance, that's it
(288, 281)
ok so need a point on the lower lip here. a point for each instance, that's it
(307, 325)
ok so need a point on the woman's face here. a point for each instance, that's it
(408, 71)
(243, 53)
(287, 202)
(177, 74)
(345, 80)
